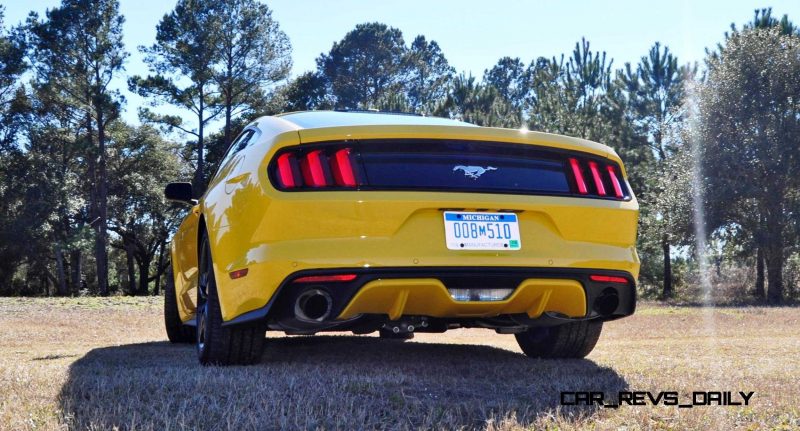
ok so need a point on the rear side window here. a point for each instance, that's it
(241, 142)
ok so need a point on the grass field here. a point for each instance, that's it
(90, 363)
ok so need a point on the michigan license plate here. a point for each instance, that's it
(481, 231)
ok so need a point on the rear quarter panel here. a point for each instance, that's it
(241, 204)
(183, 251)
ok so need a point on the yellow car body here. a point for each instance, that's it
(261, 238)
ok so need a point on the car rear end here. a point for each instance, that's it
(434, 227)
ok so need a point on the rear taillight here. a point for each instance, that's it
(314, 169)
(604, 178)
(598, 182)
(343, 169)
(288, 172)
(612, 173)
(319, 168)
(578, 176)
(394, 165)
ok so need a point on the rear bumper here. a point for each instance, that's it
(275, 238)
(397, 292)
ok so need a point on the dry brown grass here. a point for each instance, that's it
(103, 363)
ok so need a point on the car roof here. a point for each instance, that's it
(321, 119)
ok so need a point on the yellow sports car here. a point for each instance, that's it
(365, 221)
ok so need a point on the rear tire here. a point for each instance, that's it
(217, 344)
(177, 332)
(570, 340)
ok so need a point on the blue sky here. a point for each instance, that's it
(472, 34)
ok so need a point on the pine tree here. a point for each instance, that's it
(655, 93)
(78, 51)
(749, 126)
(183, 60)
(251, 53)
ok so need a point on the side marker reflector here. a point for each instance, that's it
(239, 273)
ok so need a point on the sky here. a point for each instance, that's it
(472, 34)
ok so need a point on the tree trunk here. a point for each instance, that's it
(75, 263)
(228, 90)
(773, 252)
(667, 267)
(228, 114)
(157, 288)
(131, 268)
(92, 165)
(759, 292)
(60, 272)
(101, 226)
(775, 273)
(199, 176)
(144, 273)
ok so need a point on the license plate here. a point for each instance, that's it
(481, 231)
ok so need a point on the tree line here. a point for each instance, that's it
(711, 149)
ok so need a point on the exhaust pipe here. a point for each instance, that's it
(607, 302)
(313, 305)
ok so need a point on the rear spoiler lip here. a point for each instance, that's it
(472, 133)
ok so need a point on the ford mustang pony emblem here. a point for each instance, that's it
(474, 171)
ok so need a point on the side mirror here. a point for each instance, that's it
(179, 192)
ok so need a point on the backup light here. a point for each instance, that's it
(480, 294)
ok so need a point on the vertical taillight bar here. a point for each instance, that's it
(285, 171)
(612, 173)
(313, 170)
(343, 172)
(578, 175)
(598, 181)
